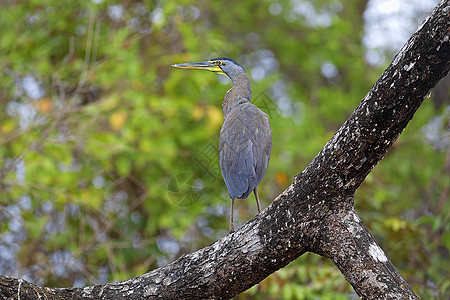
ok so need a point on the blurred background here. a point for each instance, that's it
(109, 156)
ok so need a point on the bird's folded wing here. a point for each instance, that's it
(244, 149)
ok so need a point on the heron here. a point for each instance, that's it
(245, 142)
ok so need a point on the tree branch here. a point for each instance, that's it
(315, 213)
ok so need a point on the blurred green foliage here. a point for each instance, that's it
(108, 156)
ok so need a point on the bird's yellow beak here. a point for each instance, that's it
(206, 65)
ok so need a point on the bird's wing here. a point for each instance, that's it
(263, 148)
(244, 149)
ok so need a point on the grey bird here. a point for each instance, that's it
(245, 143)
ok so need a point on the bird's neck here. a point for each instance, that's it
(240, 93)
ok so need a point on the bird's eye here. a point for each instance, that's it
(216, 62)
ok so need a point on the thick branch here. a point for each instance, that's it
(345, 240)
(387, 108)
(315, 213)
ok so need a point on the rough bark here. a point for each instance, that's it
(315, 213)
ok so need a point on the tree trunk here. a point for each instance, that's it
(315, 213)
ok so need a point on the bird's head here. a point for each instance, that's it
(222, 65)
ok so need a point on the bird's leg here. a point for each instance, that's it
(231, 215)
(255, 191)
